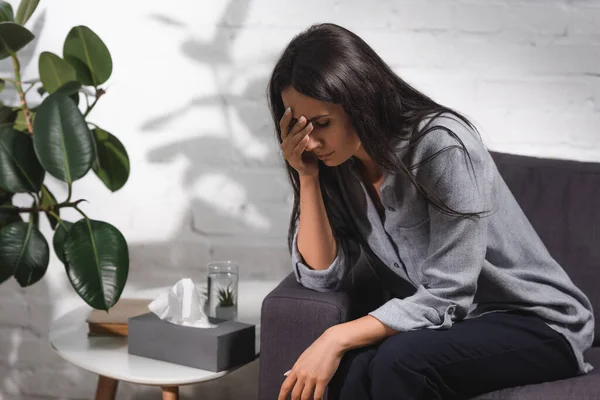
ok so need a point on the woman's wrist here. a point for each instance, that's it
(360, 332)
(309, 180)
(337, 336)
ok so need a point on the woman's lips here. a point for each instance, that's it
(324, 156)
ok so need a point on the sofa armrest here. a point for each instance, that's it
(293, 317)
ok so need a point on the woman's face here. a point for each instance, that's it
(333, 134)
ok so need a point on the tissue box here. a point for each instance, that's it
(228, 345)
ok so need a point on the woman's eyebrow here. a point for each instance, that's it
(313, 118)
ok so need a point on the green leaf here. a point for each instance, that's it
(20, 171)
(24, 250)
(2, 84)
(58, 241)
(75, 98)
(7, 216)
(6, 12)
(5, 195)
(48, 200)
(7, 115)
(71, 89)
(85, 51)
(20, 123)
(98, 261)
(63, 143)
(25, 10)
(35, 219)
(5, 271)
(54, 71)
(112, 164)
(13, 38)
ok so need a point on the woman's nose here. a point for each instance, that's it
(312, 143)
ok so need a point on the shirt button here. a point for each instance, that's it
(396, 265)
(391, 209)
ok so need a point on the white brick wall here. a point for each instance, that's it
(187, 100)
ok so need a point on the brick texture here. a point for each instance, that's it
(187, 99)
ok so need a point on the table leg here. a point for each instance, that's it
(170, 392)
(106, 389)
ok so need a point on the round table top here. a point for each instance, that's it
(108, 356)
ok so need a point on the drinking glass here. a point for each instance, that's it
(222, 285)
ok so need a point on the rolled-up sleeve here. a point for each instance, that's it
(329, 279)
(457, 246)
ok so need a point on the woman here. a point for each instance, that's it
(377, 166)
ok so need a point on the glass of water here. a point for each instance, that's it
(222, 287)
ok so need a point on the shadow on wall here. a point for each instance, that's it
(219, 162)
(29, 368)
(24, 324)
(235, 175)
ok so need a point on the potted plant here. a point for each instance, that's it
(226, 308)
(56, 138)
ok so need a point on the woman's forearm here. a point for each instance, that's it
(316, 242)
(360, 332)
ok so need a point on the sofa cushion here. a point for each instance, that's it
(584, 387)
(561, 200)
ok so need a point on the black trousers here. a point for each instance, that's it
(492, 352)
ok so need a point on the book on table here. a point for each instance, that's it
(114, 322)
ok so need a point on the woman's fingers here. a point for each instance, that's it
(294, 144)
(284, 123)
(287, 386)
(300, 136)
(307, 392)
(320, 391)
(295, 130)
(298, 388)
(299, 149)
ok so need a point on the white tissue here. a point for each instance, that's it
(181, 305)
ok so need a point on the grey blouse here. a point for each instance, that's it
(459, 267)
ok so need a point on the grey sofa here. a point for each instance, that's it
(561, 199)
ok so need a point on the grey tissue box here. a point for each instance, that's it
(228, 345)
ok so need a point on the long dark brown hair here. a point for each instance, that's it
(331, 64)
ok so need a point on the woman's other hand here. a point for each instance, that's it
(313, 370)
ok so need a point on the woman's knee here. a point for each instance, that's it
(405, 351)
(398, 368)
(352, 380)
(358, 363)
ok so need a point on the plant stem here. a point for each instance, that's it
(70, 192)
(18, 82)
(81, 212)
(36, 209)
(60, 221)
(30, 87)
(99, 93)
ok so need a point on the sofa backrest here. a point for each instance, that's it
(561, 199)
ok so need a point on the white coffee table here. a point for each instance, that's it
(108, 356)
